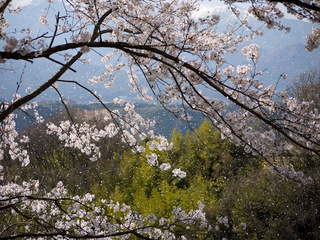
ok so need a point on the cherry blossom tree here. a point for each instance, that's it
(183, 60)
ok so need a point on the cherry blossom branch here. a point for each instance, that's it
(41, 89)
(126, 48)
(74, 236)
(112, 114)
(54, 78)
(208, 79)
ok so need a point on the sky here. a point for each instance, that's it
(21, 3)
(205, 6)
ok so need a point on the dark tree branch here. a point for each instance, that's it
(301, 4)
(55, 30)
(4, 6)
(40, 90)
(64, 104)
(60, 63)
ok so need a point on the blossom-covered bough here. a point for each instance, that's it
(58, 216)
(184, 62)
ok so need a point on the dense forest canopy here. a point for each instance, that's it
(120, 179)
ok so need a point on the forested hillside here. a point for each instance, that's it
(242, 198)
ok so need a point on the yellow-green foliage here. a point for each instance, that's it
(205, 157)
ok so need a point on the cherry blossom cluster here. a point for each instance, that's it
(152, 159)
(13, 190)
(178, 173)
(11, 141)
(71, 217)
(290, 172)
(80, 136)
(223, 220)
(8, 141)
(313, 41)
(86, 137)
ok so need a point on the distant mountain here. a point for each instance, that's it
(291, 59)
(38, 72)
